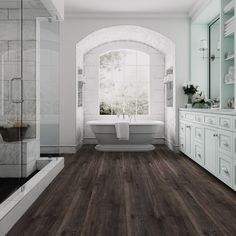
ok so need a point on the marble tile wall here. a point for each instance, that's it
(11, 159)
(10, 67)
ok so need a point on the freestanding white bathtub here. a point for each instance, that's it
(140, 138)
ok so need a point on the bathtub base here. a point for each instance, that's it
(125, 148)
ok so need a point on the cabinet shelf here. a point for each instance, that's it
(229, 58)
(229, 8)
(229, 83)
(229, 35)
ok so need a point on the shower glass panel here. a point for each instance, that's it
(11, 96)
(49, 86)
(19, 92)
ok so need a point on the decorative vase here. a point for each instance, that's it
(190, 97)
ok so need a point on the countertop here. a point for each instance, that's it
(213, 111)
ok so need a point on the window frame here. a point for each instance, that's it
(149, 80)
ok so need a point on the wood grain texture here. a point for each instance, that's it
(131, 194)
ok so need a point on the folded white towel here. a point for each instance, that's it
(122, 130)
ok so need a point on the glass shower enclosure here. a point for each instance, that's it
(19, 92)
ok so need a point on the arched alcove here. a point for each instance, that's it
(130, 33)
(141, 35)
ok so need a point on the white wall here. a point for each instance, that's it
(199, 66)
(73, 30)
(91, 87)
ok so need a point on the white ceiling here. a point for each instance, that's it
(126, 6)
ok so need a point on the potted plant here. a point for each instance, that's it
(190, 89)
(13, 132)
(201, 101)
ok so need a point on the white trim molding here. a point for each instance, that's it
(127, 15)
(198, 7)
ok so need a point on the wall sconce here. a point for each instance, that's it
(203, 47)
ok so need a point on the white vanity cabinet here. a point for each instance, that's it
(209, 138)
(210, 149)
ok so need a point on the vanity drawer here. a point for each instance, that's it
(199, 134)
(225, 172)
(210, 120)
(199, 118)
(182, 129)
(225, 122)
(226, 142)
(189, 116)
(199, 153)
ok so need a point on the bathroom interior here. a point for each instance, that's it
(117, 115)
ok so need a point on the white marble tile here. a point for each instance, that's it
(4, 90)
(3, 14)
(29, 30)
(29, 71)
(29, 89)
(29, 51)
(14, 171)
(29, 14)
(10, 152)
(9, 30)
(9, 70)
(4, 55)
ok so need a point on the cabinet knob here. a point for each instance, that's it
(210, 121)
(226, 124)
(226, 144)
(225, 170)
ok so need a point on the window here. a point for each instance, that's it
(124, 83)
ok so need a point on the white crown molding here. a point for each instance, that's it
(73, 15)
(197, 8)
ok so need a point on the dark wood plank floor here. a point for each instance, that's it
(131, 194)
